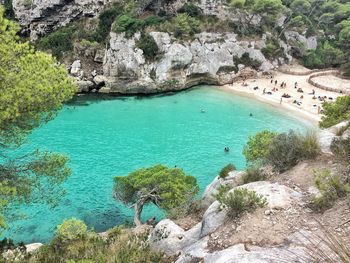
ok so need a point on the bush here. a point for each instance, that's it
(59, 41)
(148, 46)
(127, 24)
(341, 148)
(118, 246)
(106, 19)
(241, 200)
(272, 49)
(181, 25)
(71, 229)
(331, 188)
(247, 61)
(310, 146)
(254, 174)
(287, 149)
(257, 147)
(225, 170)
(335, 112)
(191, 10)
(153, 21)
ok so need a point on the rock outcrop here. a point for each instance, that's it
(209, 58)
(38, 17)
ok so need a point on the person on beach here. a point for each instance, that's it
(276, 82)
(264, 90)
(281, 100)
(295, 85)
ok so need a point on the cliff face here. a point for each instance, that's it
(207, 58)
(38, 17)
(121, 67)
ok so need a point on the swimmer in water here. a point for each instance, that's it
(202, 111)
(227, 149)
(251, 114)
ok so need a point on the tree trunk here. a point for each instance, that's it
(138, 210)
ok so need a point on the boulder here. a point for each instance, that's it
(212, 219)
(85, 85)
(277, 196)
(100, 80)
(169, 238)
(99, 55)
(30, 248)
(75, 68)
(233, 179)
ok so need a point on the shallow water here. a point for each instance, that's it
(112, 137)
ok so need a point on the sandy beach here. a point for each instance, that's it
(306, 104)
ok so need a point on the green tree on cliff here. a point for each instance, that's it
(165, 187)
(32, 88)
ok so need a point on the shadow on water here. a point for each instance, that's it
(89, 98)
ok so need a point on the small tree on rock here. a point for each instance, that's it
(165, 187)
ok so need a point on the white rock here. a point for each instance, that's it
(170, 238)
(33, 247)
(75, 68)
(212, 219)
(278, 196)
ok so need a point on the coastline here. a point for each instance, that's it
(302, 114)
(305, 100)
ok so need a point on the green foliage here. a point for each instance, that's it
(106, 19)
(247, 61)
(225, 170)
(335, 112)
(71, 229)
(182, 25)
(341, 148)
(120, 246)
(331, 188)
(148, 45)
(127, 24)
(241, 200)
(287, 149)
(257, 147)
(33, 88)
(324, 56)
(272, 49)
(191, 10)
(254, 174)
(165, 187)
(59, 41)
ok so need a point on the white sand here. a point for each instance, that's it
(308, 108)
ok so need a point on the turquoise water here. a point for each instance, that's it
(112, 137)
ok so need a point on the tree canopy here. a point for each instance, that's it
(165, 187)
(33, 87)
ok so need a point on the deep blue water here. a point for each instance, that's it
(105, 138)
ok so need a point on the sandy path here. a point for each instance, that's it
(308, 107)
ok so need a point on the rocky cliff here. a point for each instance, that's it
(122, 67)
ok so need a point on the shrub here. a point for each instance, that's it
(247, 61)
(127, 24)
(310, 146)
(225, 170)
(272, 49)
(287, 149)
(106, 19)
(182, 24)
(257, 147)
(335, 112)
(241, 200)
(341, 148)
(59, 41)
(331, 188)
(148, 46)
(71, 229)
(117, 247)
(191, 10)
(254, 174)
(153, 21)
